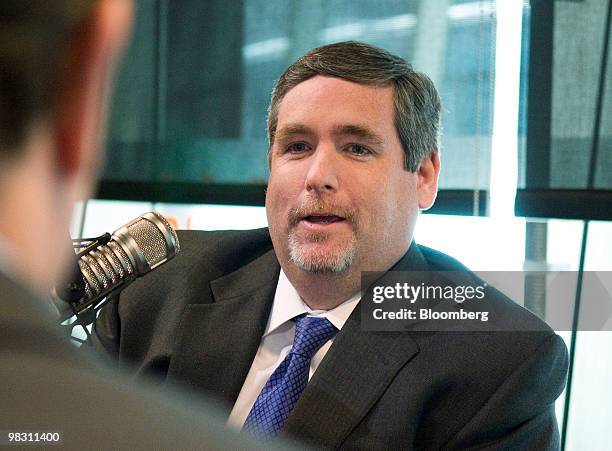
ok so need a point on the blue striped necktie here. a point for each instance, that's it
(289, 379)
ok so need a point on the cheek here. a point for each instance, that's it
(370, 199)
(279, 196)
(279, 190)
(395, 201)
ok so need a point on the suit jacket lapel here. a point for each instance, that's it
(217, 362)
(353, 375)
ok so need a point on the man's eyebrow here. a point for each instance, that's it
(291, 130)
(358, 131)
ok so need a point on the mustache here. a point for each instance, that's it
(319, 206)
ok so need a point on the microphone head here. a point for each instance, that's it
(150, 239)
(133, 250)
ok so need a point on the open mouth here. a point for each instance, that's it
(323, 219)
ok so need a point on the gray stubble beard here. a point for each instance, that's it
(322, 264)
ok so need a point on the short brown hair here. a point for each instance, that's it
(417, 103)
(33, 45)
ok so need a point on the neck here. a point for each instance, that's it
(323, 291)
(32, 222)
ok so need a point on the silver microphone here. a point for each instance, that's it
(130, 252)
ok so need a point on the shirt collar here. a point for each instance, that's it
(288, 304)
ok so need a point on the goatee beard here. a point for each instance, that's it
(321, 262)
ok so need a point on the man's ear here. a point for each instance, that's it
(427, 184)
(80, 109)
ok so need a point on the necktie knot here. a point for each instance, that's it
(310, 334)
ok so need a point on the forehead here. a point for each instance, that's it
(331, 102)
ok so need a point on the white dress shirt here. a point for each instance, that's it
(277, 341)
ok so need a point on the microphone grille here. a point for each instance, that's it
(150, 240)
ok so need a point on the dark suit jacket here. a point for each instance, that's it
(46, 386)
(199, 319)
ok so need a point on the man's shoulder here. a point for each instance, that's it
(505, 314)
(439, 261)
(236, 242)
(228, 237)
(221, 251)
(507, 352)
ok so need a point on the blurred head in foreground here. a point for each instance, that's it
(57, 59)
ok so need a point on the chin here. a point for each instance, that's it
(317, 258)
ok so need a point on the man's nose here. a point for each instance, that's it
(322, 174)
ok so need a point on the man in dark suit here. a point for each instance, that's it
(56, 58)
(267, 321)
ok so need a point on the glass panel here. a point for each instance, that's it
(579, 26)
(578, 35)
(107, 216)
(214, 217)
(590, 413)
(194, 88)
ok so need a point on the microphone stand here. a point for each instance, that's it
(68, 298)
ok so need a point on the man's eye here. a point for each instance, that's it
(297, 148)
(359, 150)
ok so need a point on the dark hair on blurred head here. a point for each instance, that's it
(33, 48)
(417, 103)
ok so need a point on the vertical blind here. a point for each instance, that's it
(567, 160)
